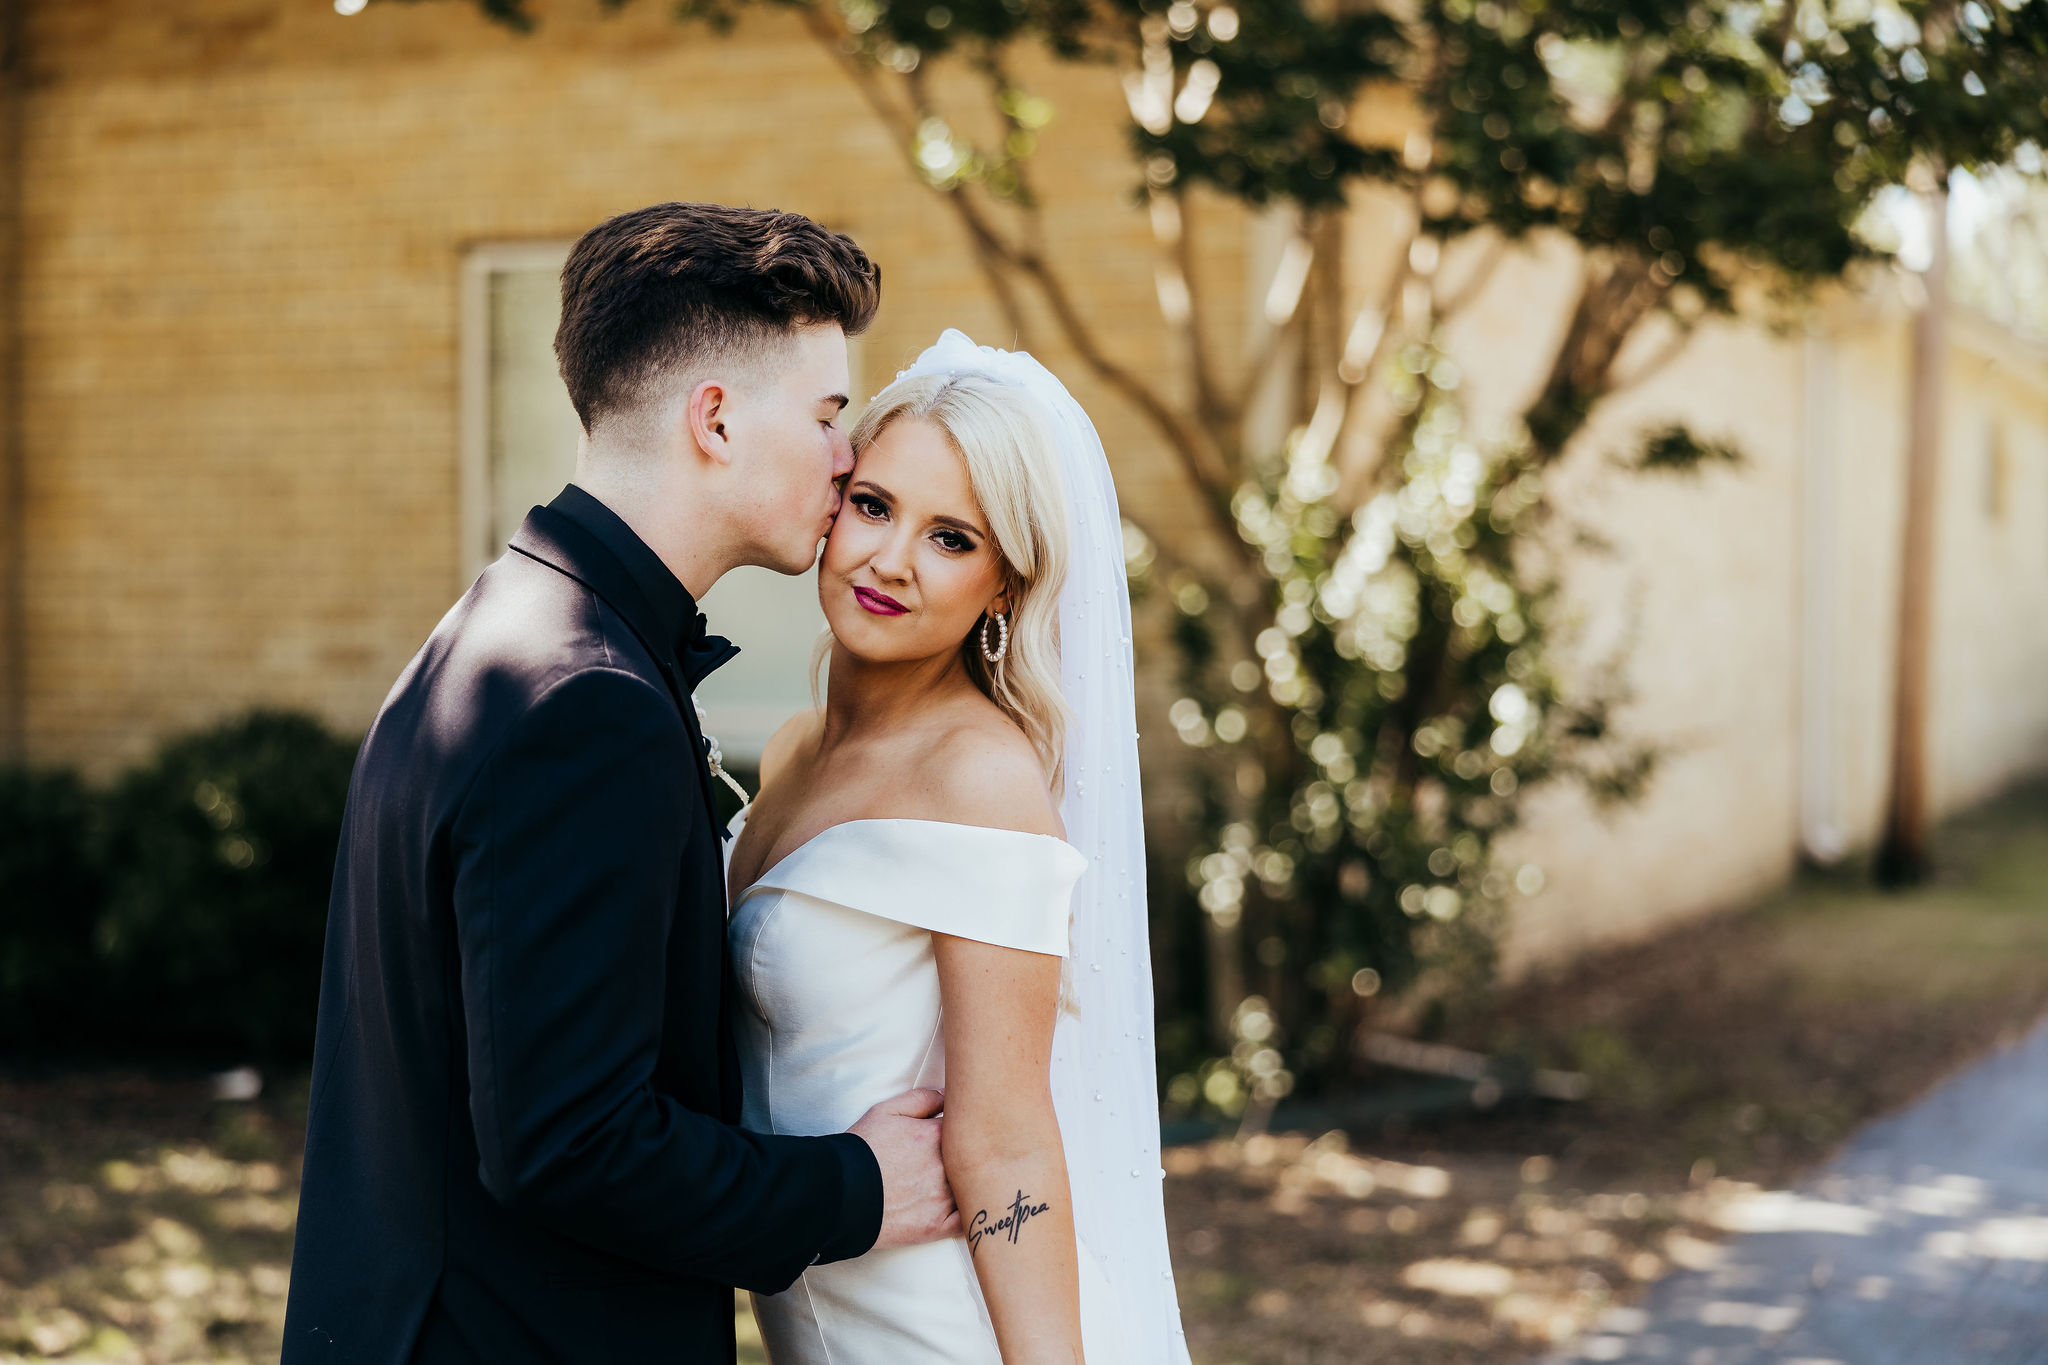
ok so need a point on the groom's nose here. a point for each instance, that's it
(842, 456)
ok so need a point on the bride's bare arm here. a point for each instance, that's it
(1001, 1145)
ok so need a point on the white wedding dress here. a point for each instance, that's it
(839, 1009)
(839, 995)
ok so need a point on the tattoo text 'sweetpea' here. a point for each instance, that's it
(1012, 1223)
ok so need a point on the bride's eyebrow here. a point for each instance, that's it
(957, 523)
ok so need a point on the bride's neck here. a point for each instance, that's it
(862, 697)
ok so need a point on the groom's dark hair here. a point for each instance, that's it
(660, 289)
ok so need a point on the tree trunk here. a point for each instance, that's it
(1902, 855)
(1612, 300)
(1225, 943)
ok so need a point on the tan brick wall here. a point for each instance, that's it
(245, 224)
(13, 601)
(243, 229)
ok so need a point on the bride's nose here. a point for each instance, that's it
(891, 559)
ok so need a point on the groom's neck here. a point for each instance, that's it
(659, 502)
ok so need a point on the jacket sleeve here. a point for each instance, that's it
(568, 864)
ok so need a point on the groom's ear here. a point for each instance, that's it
(706, 415)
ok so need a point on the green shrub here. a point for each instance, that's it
(220, 856)
(52, 892)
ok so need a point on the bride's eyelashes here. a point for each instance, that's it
(946, 538)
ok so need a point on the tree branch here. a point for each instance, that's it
(1482, 274)
(1674, 345)
(1358, 459)
(836, 40)
(1618, 291)
(1175, 237)
(1261, 367)
(1199, 457)
(992, 252)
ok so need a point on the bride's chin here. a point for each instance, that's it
(869, 656)
(870, 646)
(854, 634)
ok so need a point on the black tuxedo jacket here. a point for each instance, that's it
(520, 1145)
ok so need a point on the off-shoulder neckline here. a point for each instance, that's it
(778, 864)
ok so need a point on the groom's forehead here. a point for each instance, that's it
(805, 366)
(817, 353)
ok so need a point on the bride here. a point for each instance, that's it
(941, 884)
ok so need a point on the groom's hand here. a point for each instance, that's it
(917, 1203)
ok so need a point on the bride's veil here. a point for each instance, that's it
(1103, 1071)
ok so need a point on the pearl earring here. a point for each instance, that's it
(995, 656)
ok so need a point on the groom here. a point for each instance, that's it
(521, 1144)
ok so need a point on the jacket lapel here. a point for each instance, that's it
(558, 542)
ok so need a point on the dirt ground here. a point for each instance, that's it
(143, 1221)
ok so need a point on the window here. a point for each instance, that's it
(519, 447)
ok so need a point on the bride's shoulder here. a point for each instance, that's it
(793, 737)
(984, 771)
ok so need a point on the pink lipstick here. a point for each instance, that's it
(877, 603)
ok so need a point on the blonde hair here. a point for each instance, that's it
(1014, 470)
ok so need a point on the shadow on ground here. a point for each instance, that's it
(141, 1221)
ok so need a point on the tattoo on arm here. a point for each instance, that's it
(1021, 1211)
